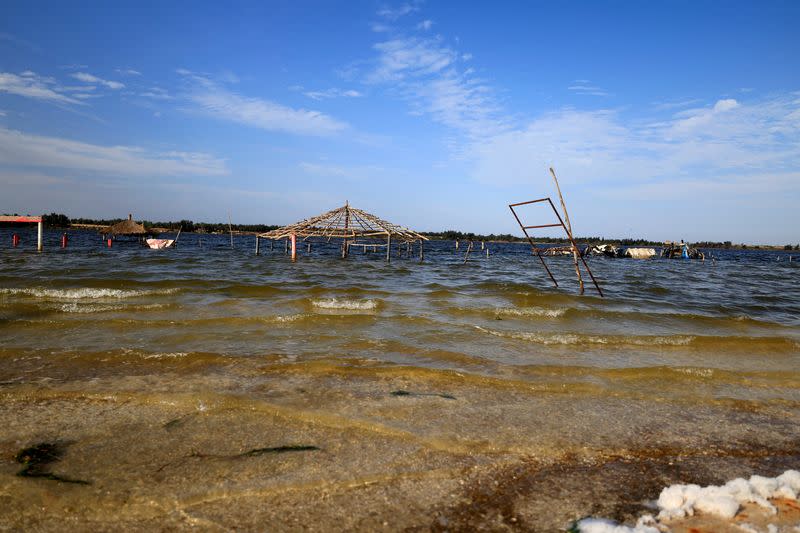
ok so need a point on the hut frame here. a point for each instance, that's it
(353, 226)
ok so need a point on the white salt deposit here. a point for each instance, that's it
(596, 525)
(680, 501)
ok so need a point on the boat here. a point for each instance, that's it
(160, 244)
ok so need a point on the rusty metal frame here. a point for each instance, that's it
(537, 250)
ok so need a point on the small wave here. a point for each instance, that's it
(83, 308)
(169, 355)
(532, 312)
(351, 305)
(85, 293)
(575, 338)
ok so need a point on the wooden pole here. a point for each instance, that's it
(286, 247)
(294, 247)
(271, 244)
(257, 251)
(39, 239)
(388, 247)
(421, 252)
(575, 252)
(230, 228)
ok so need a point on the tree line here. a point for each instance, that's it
(58, 220)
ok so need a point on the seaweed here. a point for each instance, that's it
(255, 452)
(277, 449)
(408, 393)
(178, 422)
(37, 458)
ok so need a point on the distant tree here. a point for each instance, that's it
(788, 247)
(56, 220)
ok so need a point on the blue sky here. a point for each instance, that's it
(664, 120)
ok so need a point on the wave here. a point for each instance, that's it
(345, 304)
(85, 293)
(696, 341)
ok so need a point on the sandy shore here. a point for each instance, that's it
(256, 443)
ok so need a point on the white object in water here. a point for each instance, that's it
(160, 244)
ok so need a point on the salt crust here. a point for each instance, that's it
(679, 501)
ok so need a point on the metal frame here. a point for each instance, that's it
(537, 250)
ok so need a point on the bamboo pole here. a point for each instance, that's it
(257, 251)
(39, 231)
(388, 247)
(575, 252)
(294, 247)
(230, 227)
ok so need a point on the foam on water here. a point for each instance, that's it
(575, 338)
(531, 312)
(84, 293)
(346, 304)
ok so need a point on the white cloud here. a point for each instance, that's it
(157, 93)
(425, 25)
(26, 150)
(3, 113)
(89, 78)
(127, 72)
(726, 146)
(333, 93)
(397, 12)
(30, 85)
(221, 103)
(402, 58)
(584, 87)
(427, 74)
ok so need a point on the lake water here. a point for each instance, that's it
(207, 387)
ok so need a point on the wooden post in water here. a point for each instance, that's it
(389, 247)
(294, 247)
(456, 244)
(39, 239)
(569, 231)
(308, 249)
(230, 227)
(257, 251)
(421, 252)
(286, 247)
(271, 244)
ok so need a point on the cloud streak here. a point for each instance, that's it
(89, 78)
(26, 150)
(216, 101)
(30, 85)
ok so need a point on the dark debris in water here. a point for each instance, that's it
(37, 459)
(409, 393)
(255, 452)
(178, 422)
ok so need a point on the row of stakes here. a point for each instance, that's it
(16, 240)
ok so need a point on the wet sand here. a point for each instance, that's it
(164, 446)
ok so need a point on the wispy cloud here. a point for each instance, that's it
(89, 78)
(127, 72)
(425, 25)
(27, 150)
(333, 93)
(585, 87)
(30, 85)
(428, 74)
(157, 93)
(394, 13)
(215, 100)
(728, 145)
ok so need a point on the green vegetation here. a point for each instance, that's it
(57, 220)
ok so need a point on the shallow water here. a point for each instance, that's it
(104, 348)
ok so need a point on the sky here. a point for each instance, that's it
(663, 120)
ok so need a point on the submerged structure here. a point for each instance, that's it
(352, 226)
(565, 224)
